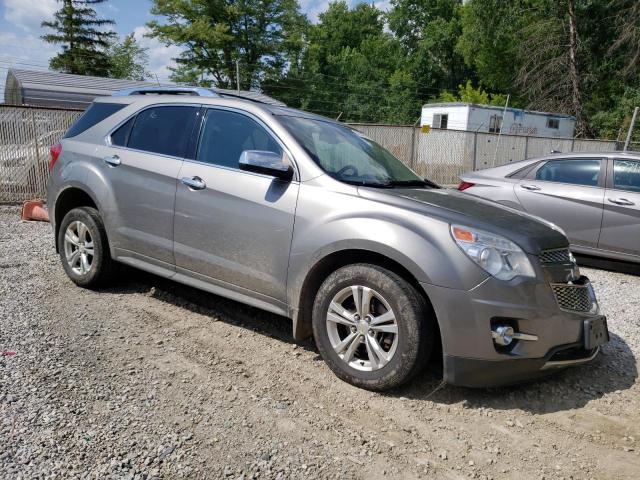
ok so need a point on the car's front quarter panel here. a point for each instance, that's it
(330, 220)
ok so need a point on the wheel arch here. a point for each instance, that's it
(68, 199)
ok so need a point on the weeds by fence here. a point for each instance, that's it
(26, 133)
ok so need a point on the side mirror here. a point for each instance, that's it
(267, 163)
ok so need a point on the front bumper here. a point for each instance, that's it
(470, 356)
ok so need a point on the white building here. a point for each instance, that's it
(487, 118)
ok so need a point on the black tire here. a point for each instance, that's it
(415, 324)
(102, 267)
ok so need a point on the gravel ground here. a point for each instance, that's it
(150, 379)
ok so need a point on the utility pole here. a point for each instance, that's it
(504, 114)
(238, 75)
(630, 132)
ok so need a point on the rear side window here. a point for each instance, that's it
(626, 175)
(576, 172)
(225, 135)
(93, 115)
(121, 136)
(165, 130)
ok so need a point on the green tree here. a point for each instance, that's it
(82, 34)
(215, 34)
(467, 93)
(128, 59)
(429, 31)
(350, 68)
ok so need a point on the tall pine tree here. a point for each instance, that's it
(81, 33)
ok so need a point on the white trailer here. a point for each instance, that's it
(490, 119)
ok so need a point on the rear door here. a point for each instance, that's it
(232, 227)
(568, 192)
(621, 220)
(141, 164)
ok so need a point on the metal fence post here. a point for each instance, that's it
(35, 178)
(412, 160)
(475, 150)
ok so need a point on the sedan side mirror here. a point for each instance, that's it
(267, 163)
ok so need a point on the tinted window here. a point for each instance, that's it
(165, 130)
(626, 175)
(121, 135)
(576, 172)
(225, 135)
(92, 116)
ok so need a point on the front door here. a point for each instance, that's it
(231, 226)
(621, 220)
(569, 193)
(141, 168)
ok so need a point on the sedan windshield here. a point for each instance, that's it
(347, 155)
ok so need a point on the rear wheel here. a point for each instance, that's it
(372, 327)
(84, 249)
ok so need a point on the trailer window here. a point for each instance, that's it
(440, 120)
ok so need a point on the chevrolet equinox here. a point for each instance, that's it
(235, 194)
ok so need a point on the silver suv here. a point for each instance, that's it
(302, 216)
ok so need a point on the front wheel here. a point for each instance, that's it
(84, 248)
(372, 327)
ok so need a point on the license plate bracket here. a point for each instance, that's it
(596, 332)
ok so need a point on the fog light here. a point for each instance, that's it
(502, 335)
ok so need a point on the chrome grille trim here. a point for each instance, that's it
(560, 255)
(576, 298)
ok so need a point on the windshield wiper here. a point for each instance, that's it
(410, 183)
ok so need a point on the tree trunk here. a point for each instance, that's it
(582, 126)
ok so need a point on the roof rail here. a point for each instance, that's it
(197, 91)
(200, 92)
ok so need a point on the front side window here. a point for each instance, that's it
(225, 135)
(576, 172)
(93, 115)
(347, 155)
(626, 175)
(165, 130)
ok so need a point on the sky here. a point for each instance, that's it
(20, 31)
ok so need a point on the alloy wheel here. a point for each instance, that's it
(362, 328)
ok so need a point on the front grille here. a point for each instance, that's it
(562, 255)
(573, 297)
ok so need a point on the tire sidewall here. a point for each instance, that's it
(90, 218)
(407, 313)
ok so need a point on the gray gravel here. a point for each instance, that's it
(149, 379)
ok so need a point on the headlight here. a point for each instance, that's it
(498, 256)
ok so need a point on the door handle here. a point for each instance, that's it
(194, 183)
(530, 187)
(620, 201)
(113, 160)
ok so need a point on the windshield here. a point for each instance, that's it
(347, 155)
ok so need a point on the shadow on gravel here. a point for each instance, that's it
(610, 265)
(133, 281)
(614, 370)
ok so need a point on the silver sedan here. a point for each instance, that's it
(593, 197)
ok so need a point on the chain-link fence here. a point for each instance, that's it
(442, 155)
(25, 137)
(26, 133)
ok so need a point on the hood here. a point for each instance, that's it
(532, 234)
